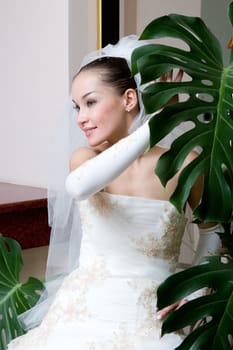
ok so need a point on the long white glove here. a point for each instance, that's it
(209, 242)
(94, 174)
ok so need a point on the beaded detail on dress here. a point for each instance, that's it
(129, 246)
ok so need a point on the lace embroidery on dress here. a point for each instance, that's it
(120, 340)
(102, 204)
(168, 245)
(147, 304)
(76, 285)
(172, 238)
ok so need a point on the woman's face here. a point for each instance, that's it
(101, 111)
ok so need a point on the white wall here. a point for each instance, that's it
(82, 32)
(147, 10)
(215, 15)
(38, 57)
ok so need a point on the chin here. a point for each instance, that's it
(94, 143)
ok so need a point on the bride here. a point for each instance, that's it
(131, 233)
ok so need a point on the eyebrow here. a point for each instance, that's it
(88, 93)
(84, 96)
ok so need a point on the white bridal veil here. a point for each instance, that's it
(64, 219)
(63, 255)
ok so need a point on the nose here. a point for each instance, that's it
(81, 118)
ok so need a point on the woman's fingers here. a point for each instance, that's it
(165, 311)
(179, 76)
(162, 313)
(169, 77)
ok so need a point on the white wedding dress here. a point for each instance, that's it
(129, 246)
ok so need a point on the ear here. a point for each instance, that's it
(130, 99)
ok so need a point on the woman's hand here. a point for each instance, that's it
(160, 315)
(170, 77)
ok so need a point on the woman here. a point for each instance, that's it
(131, 233)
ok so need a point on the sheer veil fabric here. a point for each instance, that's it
(64, 218)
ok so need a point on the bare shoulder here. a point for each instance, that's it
(80, 155)
(83, 154)
(156, 152)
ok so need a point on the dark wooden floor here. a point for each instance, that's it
(23, 214)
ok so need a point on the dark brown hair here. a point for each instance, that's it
(114, 71)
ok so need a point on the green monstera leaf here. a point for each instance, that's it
(207, 106)
(15, 297)
(216, 333)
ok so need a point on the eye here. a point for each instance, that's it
(90, 103)
(75, 106)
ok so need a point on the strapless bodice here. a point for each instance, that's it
(129, 245)
(136, 236)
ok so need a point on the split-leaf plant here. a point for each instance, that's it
(15, 297)
(208, 106)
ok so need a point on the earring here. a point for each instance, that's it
(128, 110)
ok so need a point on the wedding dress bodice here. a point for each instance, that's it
(129, 246)
(136, 237)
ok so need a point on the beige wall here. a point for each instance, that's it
(150, 9)
(214, 13)
(136, 14)
(42, 42)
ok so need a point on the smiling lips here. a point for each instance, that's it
(88, 131)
